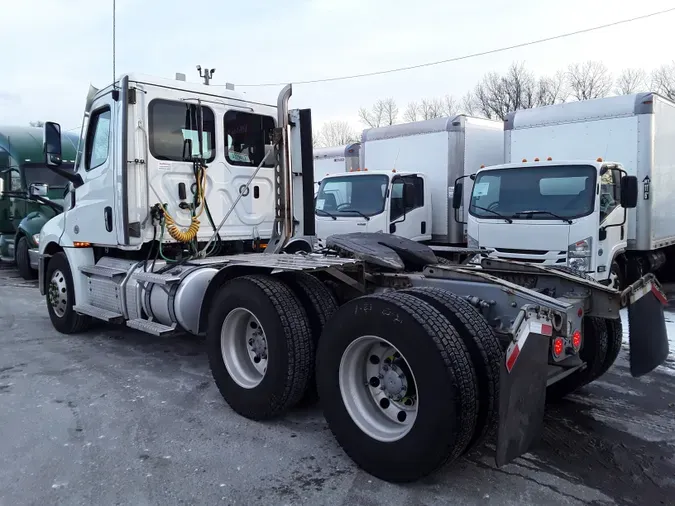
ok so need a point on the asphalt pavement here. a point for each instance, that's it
(114, 416)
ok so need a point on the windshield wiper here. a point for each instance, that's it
(355, 211)
(530, 213)
(326, 213)
(508, 220)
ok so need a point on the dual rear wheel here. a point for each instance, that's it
(407, 380)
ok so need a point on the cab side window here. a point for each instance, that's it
(98, 139)
(610, 192)
(248, 138)
(404, 201)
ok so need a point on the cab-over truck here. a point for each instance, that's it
(414, 362)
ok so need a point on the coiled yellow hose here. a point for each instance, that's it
(189, 234)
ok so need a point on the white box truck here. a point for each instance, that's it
(567, 208)
(418, 164)
(335, 159)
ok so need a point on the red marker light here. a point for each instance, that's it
(580, 312)
(558, 346)
(576, 340)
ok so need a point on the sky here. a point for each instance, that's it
(54, 49)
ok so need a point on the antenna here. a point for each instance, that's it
(114, 6)
(396, 159)
(207, 75)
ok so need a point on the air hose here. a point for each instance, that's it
(189, 234)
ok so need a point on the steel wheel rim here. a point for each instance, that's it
(243, 345)
(381, 403)
(58, 293)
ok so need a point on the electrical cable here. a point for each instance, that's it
(464, 57)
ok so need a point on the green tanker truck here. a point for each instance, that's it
(30, 193)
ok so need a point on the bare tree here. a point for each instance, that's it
(631, 81)
(468, 104)
(38, 123)
(384, 112)
(430, 108)
(497, 95)
(589, 80)
(663, 80)
(335, 133)
(552, 90)
(412, 112)
(449, 106)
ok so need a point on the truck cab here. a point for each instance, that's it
(374, 201)
(30, 193)
(558, 213)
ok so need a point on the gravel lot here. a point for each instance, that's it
(115, 416)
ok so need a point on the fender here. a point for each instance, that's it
(53, 239)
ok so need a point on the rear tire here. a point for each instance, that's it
(614, 342)
(23, 260)
(264, 310)
(484, 349)
(60, 297)
(593, 352)
(320, 305)
(437, 371)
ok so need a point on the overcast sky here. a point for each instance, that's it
(53, 49)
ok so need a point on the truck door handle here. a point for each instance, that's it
(107, 213)
(361, 224)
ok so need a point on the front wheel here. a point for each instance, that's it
(61, 297)
(23, 260)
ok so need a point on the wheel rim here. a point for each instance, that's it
(378, 388)
(243, 344)
(58, 293)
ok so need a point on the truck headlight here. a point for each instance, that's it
(36, 239)
(579, 255)
(471, 242)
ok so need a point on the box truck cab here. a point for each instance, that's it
(374, 201)
(636, 132)
(559, 213)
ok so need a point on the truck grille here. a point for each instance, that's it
(534, 256)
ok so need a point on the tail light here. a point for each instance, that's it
(558, 347)
(576, 340)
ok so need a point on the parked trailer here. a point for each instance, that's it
(626, 135)
(415, 363)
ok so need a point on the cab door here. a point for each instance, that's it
(613, 235)
(92, 219)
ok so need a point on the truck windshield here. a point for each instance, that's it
(353, 196)
(537, 193)
(42, 174)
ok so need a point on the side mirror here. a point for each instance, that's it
(38, 190)
(629, 192)
(52, 144)
(392, 228)
(457, 196)
(408, 196)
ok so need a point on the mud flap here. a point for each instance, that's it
(522, 393)
(647, 326)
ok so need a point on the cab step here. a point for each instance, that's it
(104, 272)
(154, 328)
(97, 312)
(155, 278)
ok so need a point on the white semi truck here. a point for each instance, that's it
(423, 158)
(415, 363)
(560, 200)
